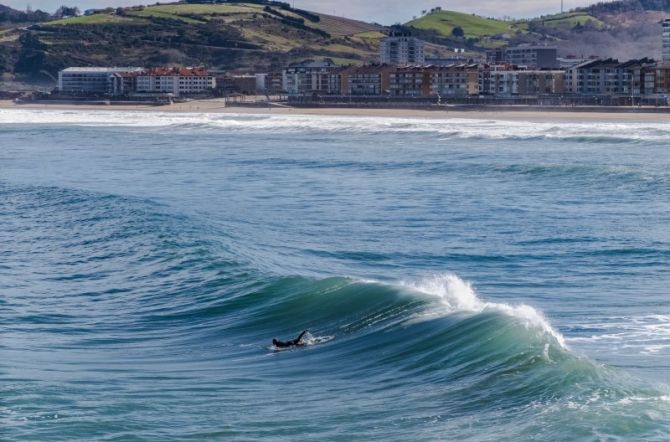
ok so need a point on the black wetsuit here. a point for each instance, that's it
(293, 343)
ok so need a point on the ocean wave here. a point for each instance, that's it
(446, 128)
(151, 288)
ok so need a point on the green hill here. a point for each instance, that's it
(234, 35)
(571, 20)
(474, 26)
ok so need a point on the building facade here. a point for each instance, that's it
(458, 80)
(595, 77)
(662, 78)
(666, 40)
(411, 81)
(175, 81)
(401, 49)
(537, 57)
(368, 80)
(308, 77)
(95, 81)
(610, 77)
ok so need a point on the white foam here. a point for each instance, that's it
(456, 295)
(444, 128)
(644, 334)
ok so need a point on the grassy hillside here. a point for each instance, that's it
(474, 26)
(242, 36)
(571, 20)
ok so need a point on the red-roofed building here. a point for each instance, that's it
(175, 81)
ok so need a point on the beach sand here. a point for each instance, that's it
(219, 106)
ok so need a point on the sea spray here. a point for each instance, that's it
(457, 295)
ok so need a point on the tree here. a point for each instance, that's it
(67, 11)
(458, 32)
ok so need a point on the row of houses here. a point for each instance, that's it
(609, 77)
(128, 81)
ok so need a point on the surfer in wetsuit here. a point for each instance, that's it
(293, 343)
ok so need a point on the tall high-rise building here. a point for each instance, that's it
(666, 40)
(400, 48)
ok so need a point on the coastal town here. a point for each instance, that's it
(402, 74)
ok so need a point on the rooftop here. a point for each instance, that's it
(182, 72)
(111, 70)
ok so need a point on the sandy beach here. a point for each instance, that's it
(219, 106)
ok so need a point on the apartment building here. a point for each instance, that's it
(308, 77)
(536, 57)
(595, 77)
(400, 48)
(95, 80)
(507, 81)
(369, 80)
(610, 77)
(411, 81)
(270, 83)
(458, 80)
(662, 78)
(175, 81)
(666, 39)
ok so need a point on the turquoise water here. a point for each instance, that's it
(462, 279)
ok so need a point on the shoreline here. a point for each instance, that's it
(219, 106)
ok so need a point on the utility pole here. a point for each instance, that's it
(562, 10)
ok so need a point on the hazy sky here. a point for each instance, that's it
(382, 11)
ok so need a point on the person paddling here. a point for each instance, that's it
(293, 343)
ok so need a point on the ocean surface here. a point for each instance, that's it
(461, 279)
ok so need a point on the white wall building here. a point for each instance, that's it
(308, 77)
(175, 81)
(92, 81)
(401, 49)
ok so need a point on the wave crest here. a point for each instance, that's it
(456, 295)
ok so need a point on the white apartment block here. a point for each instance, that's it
(175, 81)
(402, 49)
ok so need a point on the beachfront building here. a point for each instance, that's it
(595, 77)
(536, 57)
(400, 48)
(237, 84)
(507, 81)
(308, 77)
(368, 80)
(666, 40)
(270, 83)
(410, 81)
(612, 78)
(96, 80)
(540, 82)
(175, 81)
(637, 77)
(338, 81)
(498, 81)
(662, 78)
(457, 80)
